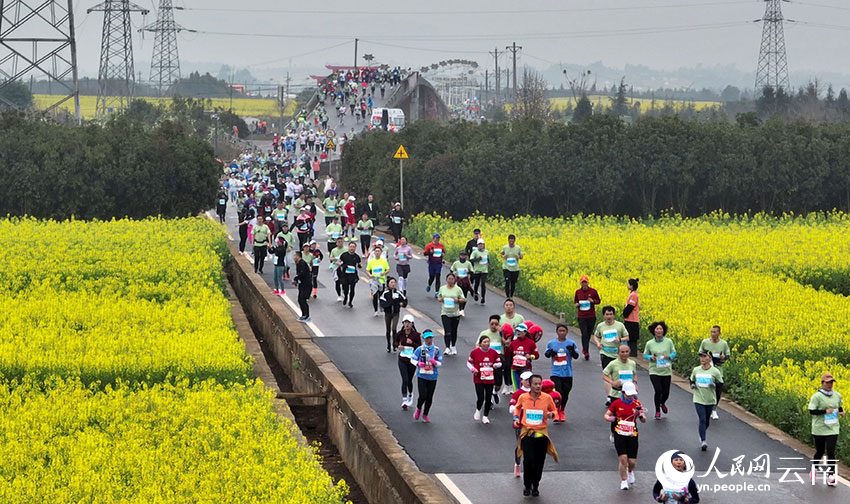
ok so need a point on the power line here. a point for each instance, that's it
(824, 6)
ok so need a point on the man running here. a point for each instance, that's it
(333, 232)
(336, 266)
(624, 414)
(586, 298)
(434, 251)
(378, 269)
(511, 255)
(720, 352)
(531, 415)
(619, 372)
(262, 239)
(704, 378)
(608, 336)
(349, 262)
(562, 351)
(480, 259)
(365, 227)
(396, 219)
(303, 279)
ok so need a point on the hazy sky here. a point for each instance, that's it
(663, 34)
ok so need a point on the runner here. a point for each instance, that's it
(510, 319)
(365, 227)
(450, 296)
(350, 218)
(533, 410)
(511, 255)
(687, 494)
(562, 351)
(428, 359)
(521, 352)
(586, 299)
(434, 251)
(303, 228)
(289, 237)
(624, 414)
(316, 257)
(280, 249)
(221, 206)
(461, 268)
(349, 262)
(406, 341)
(826, 406)
(660, 352)
(483, 362)
(549, 388)
(704, 378)
(392, 301)
(396, 219)
(524, 387)
(304, 282)
(329, 204)
(262, 239)
(480, 259)
(720, 352)
(631, 316)
(337, 266)
(245, 217)
(472, 244)
(279, 216)
(607, 337)
(496, 344)
(333, 232)
(402, 254)
(378, 269)
(618, 372)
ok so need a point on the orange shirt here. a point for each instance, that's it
(533, 414)
(634, 316)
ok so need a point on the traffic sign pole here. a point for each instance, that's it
(401, 180)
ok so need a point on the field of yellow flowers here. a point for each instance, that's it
(778, 287)
(122, 378)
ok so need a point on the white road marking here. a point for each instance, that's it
(453, 489)
(296, 309)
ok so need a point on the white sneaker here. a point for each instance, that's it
(830, 481)
(462, 314)
(449, 351)
(477, 415)
(454, 350)
(376, 314)
(485, 420)
(714, 415)
(624, 485)
(404, 404)
(506, 390)
(339, 298)
(631, 478)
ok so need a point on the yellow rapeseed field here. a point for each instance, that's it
(775, 285)
(122, 378)
(646, 104)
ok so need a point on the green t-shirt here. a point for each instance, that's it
(618, 370)
(279, 215)
(261, 234)
(511, 261)
(462, 269)
(495, 339)
(610, 336)
(516, 320)
(333, 231)
(716, 349)
(825, 425)
(452, 296)
(660, 366)
(480, 261)
(337, 251)
(379, 268)
(288, 237)
(330, 204)
(298, 204)
(365, 227)
(704, 393)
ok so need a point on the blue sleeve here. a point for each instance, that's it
(673, 355)
(649, 357)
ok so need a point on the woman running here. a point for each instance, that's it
(402, 254)
(660, 352)
(378, 268)
(392, 301)
(624, 413)
(450, 296)
(480, 260)
(522, 352)
(631, 316)
(365, 227)
(428, 359)
(406, 340)
(586, 298)
(483, 362)
(704, 378)
(825, 406)
(463, 268)
(562, 351)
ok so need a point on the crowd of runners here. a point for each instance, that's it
(278, 200)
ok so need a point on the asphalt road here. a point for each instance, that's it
(474, 461)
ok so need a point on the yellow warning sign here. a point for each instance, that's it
(330, 144)
(401, 153)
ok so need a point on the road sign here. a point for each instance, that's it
(401, 153)
(331, 134)
(330, 144)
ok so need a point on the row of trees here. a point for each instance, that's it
(122, 168)
(601, 165)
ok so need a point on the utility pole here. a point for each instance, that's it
(772, 67)
(165, 63)
(495, 54)
(52, 53)
(514, 48)
(507, 79)
(355, 52)
(116, 76)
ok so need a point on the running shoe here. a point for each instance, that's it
(495, 399)
(404, 403)
(454, 350)
(339, 298)
(535, 492)
(562, 416)
(436, 295)
(416, 414)
(586, 356)
(526, 492)
(517, 471)
(376, 314)
(281, 292)
(462, 314)
(624, 485)
(714, 415)
(477, 415)
(664, 408)
(658, 415)
(275, 292)
(485, 420)
(631, 478)
(300, 319)
(426, 419)
(350, 305)
(427, 288)
(703, 446)
(306, 319)
(830, 481)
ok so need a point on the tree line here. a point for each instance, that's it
(602, 165)
(121, 168)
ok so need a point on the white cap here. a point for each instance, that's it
(480, 241)
(407, 318)
(351, 198)
(526, 375)
(629, 388)
(313, 242)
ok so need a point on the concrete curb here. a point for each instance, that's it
(382, 468)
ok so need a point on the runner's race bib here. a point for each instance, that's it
(377, 270)
(486, 374)
(395, 295)
(462, 272)
(561, 358)
(427, 370)
(484, 259)
(397, 220)
(519, 361)
(533, 417)
(584, 305)
(406, 352)
(331, 208)
(364, 231)
(449, 302)
(438, 253)
(222, 202)
(315, 262)
(625, 428)
(304, 227)
(350, 269)
(275, 260)
(511, 261)
(335, 235)
(281, 218)
(402, 257)
(703, 380)
(626, 376)
(662, 362)
(609, 338)
(830, 418)
(496, 345)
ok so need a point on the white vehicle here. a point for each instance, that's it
(394, 118)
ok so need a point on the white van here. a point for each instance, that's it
(395, 118)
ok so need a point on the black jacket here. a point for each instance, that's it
(373, 213)
(392, 301)
(304, 274)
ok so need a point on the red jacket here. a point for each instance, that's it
(521, 352)
(589, 295)
(484, 365)
(429, 251)
(350, 211)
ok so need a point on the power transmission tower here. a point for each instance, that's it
(495, 54)
(115, 78)
(773, 67)
(37, 38)
(165, 63)
(514, 48)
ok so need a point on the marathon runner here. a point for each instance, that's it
(333, 232)
(402, 254)
(428, 360)
(303, 279)
(618, 372)
(631, 315)
(660, 352)
(337, 266)
(462, 268)
(704, 378)
(316, 257)
(378, 269)
(624, 414)
(531, 415)
(720, 352)
(221, 206)
(562, 351)
(480, 259)
(484, 363)
(349, 262)
(607, 338)
(492, 332)
(392, 301)
(434, 251)
(524, 386)
(521, 352)
(586, 298)
(406, 341)
(450, 296)
(365, 227)
(262, 239)
(280, 249)
(511, 255)
(396, 219)
(825, 406)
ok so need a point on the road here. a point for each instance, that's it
(474, 462)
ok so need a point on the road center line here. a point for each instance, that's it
(453, 489)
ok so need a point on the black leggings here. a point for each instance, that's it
(376, 297)
(534, 456)
(349, 282)
(303, 296)
(661, 385)
(407, 371)
(259, 257)
(586, 325)
(479, 280)
(826, 445)
(511, 278)
(506, 367)
(450, 327)
(563, 384)
(243, 237)
(391, 321)
(426, 394)
(718, 391)
(365, 241)
(633, 329)
(484, 397)
(315, 273)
